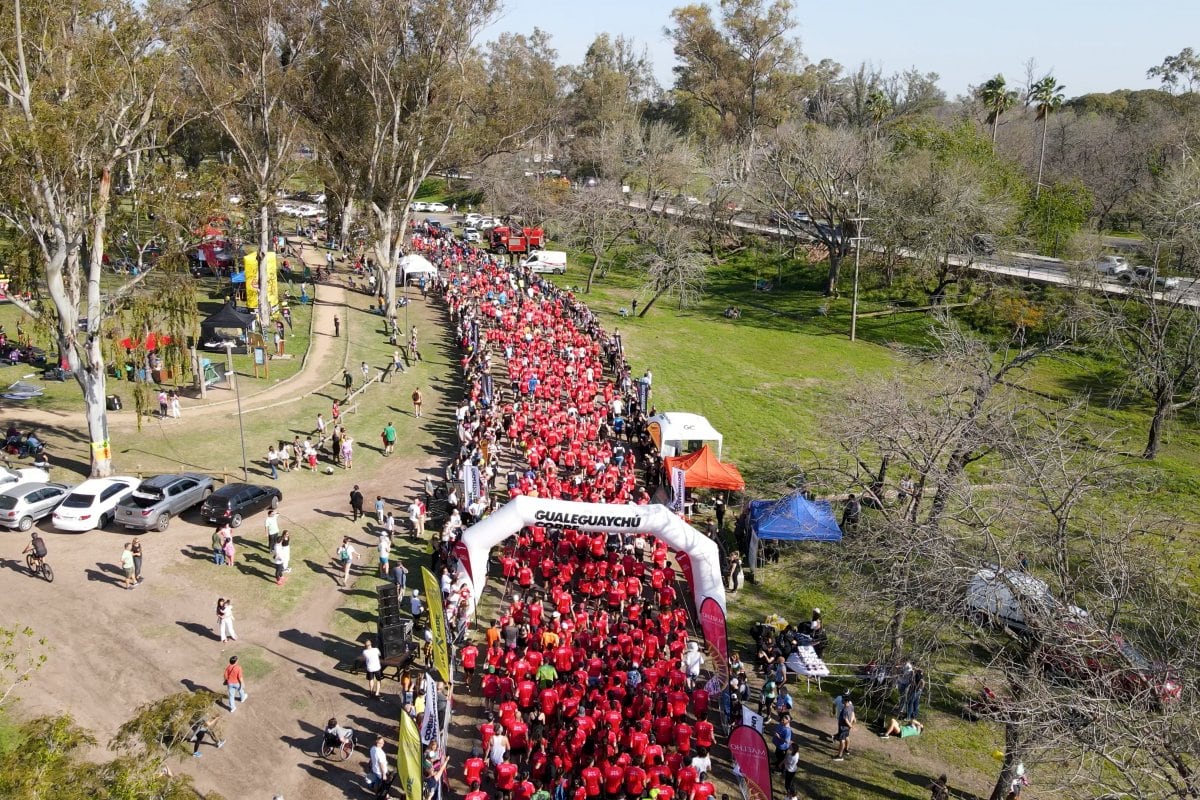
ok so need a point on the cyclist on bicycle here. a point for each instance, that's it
(337, 735)
(37, 547)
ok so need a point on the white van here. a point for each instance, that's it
(1011, 597)
(543, 261)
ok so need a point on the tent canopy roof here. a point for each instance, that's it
(680, 426)
(702, 470)
(795, 519)
(416, 264)
(228, 317)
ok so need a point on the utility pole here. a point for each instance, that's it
(858, 239)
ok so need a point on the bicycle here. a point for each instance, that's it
(39, 567)
(339, 750)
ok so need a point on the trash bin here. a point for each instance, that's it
(113, 402)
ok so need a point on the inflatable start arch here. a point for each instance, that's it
(480, 538)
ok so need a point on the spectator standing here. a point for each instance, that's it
(225, 619)
(136, 548)
(379, 507)
(373, 660)
(851, 514)
(380, 776)
(846, 722)
(782, 737)
(337, 326)
(218, 546)
(791, 765)
(176, 411)
(416, 401)
(235, 683)
(127, 565)
(356, 503)
(272, 460)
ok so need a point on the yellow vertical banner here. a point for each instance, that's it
(251, 266)
(408, 759)
(250, 270)
(437, 625)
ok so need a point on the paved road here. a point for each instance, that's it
(1025, 266)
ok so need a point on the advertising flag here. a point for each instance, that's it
(430, 725)
(752, 719)
(716, 636)
(437, 625)
(408, 760)
(678, 489)
(749, 750)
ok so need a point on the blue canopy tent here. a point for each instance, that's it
(791, 519)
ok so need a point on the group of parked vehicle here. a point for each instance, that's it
(27, 495)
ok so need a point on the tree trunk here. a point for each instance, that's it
(597, 257)
(995, 125)
(1162, 407)
(1041, 157)
(1008, 767)
(93, 381)
(652, 301)
(264, 247)
(347, 217)
(835, 267)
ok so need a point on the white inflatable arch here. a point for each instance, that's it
(480, 538)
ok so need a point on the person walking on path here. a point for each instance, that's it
(416, 401)
(347, 451)
(397, 362)
(379, 509)
(846, 722)
(218, 546)
(346, 554)
(272, 461)
(372, 658)
(176, 411)
(337, 326)
(400, 577)
(235, 683)
(389, 525)
(389, 438)
(271, 523)
(127, 565)
(380, 777)
(228, 547)
(356, 503)
(225, 620)
(782, 737)
(281, 555)
(385, 553)
(136, 547)
(201, 728)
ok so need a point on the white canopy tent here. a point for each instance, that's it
(415, 264)
(672, 431)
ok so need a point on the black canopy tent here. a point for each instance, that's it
(227, 325)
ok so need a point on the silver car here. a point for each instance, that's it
(157, 499)
(25, 503)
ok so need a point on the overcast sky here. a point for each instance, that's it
(1090, 45)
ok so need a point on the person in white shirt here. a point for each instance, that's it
(346, 555)
(701, 763)
(373, 660)
(379, 766)
(693, 660)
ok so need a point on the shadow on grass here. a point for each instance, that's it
(196, 628)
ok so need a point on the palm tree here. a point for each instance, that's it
(997, 98)
(1046, 96)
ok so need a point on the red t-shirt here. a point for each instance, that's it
(506, 776)
(525, 692)
(473, 770)
(549, 700)
(518, 735)
(704, 733)
(523, 790)
(614, 777)
(686, 779)
(704, 790)
(478, 795)
(635, 780)
(469, 655)
(591, 777)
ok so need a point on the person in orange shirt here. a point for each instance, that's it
(235, 683)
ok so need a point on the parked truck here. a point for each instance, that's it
(512, 239)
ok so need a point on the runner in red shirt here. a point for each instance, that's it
(591, 777)
(614, 779)
(469, 655)
(506, 775)
(635, 780)
(475, 793)
(474, 771)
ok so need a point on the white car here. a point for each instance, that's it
(437, 208)
(1113, 266)
(472, 219)
(92, 504)
(12, 477)
(418, 206)
(471, 235)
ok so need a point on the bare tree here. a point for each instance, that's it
(671, 262)
(593, 219)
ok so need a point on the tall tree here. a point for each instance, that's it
(745, 70)
(607, 87)
(400, 89)
(81, 84)
(824, 172)
(1179, 72)
(997, 98)
(243, 58)
(1046, 97)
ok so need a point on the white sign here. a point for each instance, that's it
(752, 720)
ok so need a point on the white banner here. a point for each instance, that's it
(750, 719)
(678, 488)
(468, 482)
(430, 727)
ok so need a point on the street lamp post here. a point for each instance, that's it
(858, 238)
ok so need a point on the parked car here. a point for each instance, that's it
(471, 235)
(983, 244)
(418, 206)
(1112, 266)
(472, 219)
(1112, 665)
(1015, 599)
(486, 223)
(157, 499)
(12, 477)
(235, 501)
(1148, 277)
(92, 504)
(23, 504)
(438, 208)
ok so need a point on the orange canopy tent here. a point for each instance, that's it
(702, 470)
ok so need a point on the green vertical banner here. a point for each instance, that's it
(408, 760)
(437, 625)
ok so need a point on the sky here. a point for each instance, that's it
(1089, 45)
